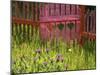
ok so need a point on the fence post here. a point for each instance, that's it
(82, 11)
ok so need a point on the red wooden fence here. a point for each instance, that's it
(46, 21)
(90, 25)
(46, 32)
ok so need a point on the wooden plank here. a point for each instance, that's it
(75, 9)
(82, 11)
(28, 21)
(21, 20)
(90, 35)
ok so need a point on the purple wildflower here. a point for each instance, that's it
(59, 55)
(38, 51)
(45, 63)
(59, 58)
(62, 59)
(47, 50)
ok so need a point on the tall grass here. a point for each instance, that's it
(33, 55)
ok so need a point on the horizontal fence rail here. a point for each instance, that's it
(28, 21)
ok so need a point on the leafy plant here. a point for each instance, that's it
(34, 57)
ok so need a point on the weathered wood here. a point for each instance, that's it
(35, 22)
(82, 11)
(28, 21)
(90, 35)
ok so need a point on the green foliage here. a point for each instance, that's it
(25, 58)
